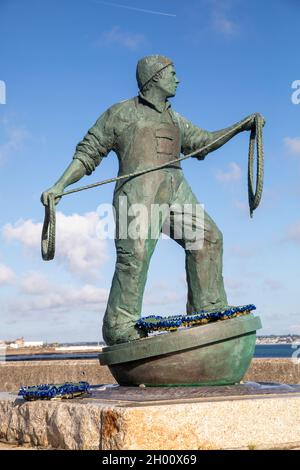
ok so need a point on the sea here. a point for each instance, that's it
(261, 351)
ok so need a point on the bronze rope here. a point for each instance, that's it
(48, 231)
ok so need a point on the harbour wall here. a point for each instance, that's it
(13, 375)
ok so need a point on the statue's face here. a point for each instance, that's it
(169, 81)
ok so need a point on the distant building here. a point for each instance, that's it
(33, 344)
(20, 343)
(13, 346)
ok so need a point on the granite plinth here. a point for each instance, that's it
(248, 415)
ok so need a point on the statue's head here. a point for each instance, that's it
(156, 70)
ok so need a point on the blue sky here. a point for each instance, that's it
(65, 62)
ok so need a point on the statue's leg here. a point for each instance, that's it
(204, 252)
(128, 284)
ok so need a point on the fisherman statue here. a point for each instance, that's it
(149, 139)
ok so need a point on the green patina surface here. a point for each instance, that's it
(214, 354)
(144, 131)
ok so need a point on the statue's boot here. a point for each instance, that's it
(122, 334)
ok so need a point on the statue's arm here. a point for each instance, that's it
(95, 145)
(74, 172)
(224, 135)
(193, 137)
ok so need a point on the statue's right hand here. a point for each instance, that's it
(55, 191)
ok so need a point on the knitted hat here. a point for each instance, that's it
(149, 66)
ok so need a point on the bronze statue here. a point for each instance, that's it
(145, 132)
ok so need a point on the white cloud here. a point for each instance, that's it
(35, 283)
(292, 144)
(242, 206)
(13, 139)
(58, 298)
(25, 231)
(182, 278)
(234, 284)
(234, 173)
(2, 92)
(152, 297)
(222, 24)
(116, 36)
(159, 286)
(7, 275)
(273, 284)
(242, 252)
(221, 18)
(294, 233)
(77, 245)
(295, 329)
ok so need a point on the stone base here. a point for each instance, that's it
(250, 416)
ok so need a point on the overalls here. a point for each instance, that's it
(152, 143)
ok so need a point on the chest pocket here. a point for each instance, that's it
(165, 140)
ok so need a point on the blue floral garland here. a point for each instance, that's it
(49, 391)
(172, 323)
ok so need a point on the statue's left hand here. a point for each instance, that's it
(251, 122)
(56, 190)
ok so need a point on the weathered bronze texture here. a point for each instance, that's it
(214, 354)
(145, 132)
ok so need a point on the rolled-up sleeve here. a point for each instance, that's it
(97, 143)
